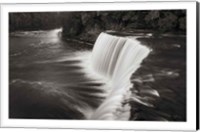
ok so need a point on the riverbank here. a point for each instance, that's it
(89, 39)
(86, 26)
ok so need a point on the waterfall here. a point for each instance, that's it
(116, 59)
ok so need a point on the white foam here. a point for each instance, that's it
(116, 59)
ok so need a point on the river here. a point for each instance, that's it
(51, 79)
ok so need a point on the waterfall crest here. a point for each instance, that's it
(116, 59)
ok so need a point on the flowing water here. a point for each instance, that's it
(116, 59)
(55, 79)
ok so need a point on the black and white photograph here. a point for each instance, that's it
(98, 65)
(127, 65)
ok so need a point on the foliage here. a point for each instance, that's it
(33, 21)
(89, 24)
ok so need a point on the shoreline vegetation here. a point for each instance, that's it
(86, 26)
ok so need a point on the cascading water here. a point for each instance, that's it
(54, 79)
(116, 59)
